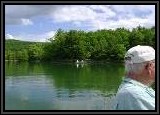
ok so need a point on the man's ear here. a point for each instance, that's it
(146, 67)
(149, 68)
(149, 71)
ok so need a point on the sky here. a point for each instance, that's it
(40, 22)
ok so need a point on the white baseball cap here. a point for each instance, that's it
(139, 54)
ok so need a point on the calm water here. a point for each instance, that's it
(61, 86)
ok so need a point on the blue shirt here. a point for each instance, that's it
(133, 95)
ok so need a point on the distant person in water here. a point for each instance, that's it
(135, 92)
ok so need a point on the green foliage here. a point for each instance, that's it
(22, 50)
(109, 45)
(35, 51)
(142, 36)
(22, 55)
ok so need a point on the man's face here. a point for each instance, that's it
(151, 70)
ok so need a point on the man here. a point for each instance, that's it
(135, 92)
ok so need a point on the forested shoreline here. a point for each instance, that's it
(101, 45)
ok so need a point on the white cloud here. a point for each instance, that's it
(109, 17)
(78, 13)
(77, 23)
(15, 13)
(50, 34)
(103, 10)
(132, 8)
(26, 21)
(127, 23)
(126, 16)
(9, 36)
(73, 13)
(93, 16)
(43, 37)
(132, 11)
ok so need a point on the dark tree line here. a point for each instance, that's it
(109, 45)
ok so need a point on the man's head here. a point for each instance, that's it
(140, 63)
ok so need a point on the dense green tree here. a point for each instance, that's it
(35, 51)
(109, 45)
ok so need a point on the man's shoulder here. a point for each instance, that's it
(131, 90)
(134, 96)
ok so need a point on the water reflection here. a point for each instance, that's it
(79, 65)
(61, 86)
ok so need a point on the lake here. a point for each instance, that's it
(50, 86)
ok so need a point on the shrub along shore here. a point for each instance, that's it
(101, 46)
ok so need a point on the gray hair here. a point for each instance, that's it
(133, 67)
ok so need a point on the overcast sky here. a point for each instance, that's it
(40, 22)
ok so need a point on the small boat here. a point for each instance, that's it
(79, 62)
